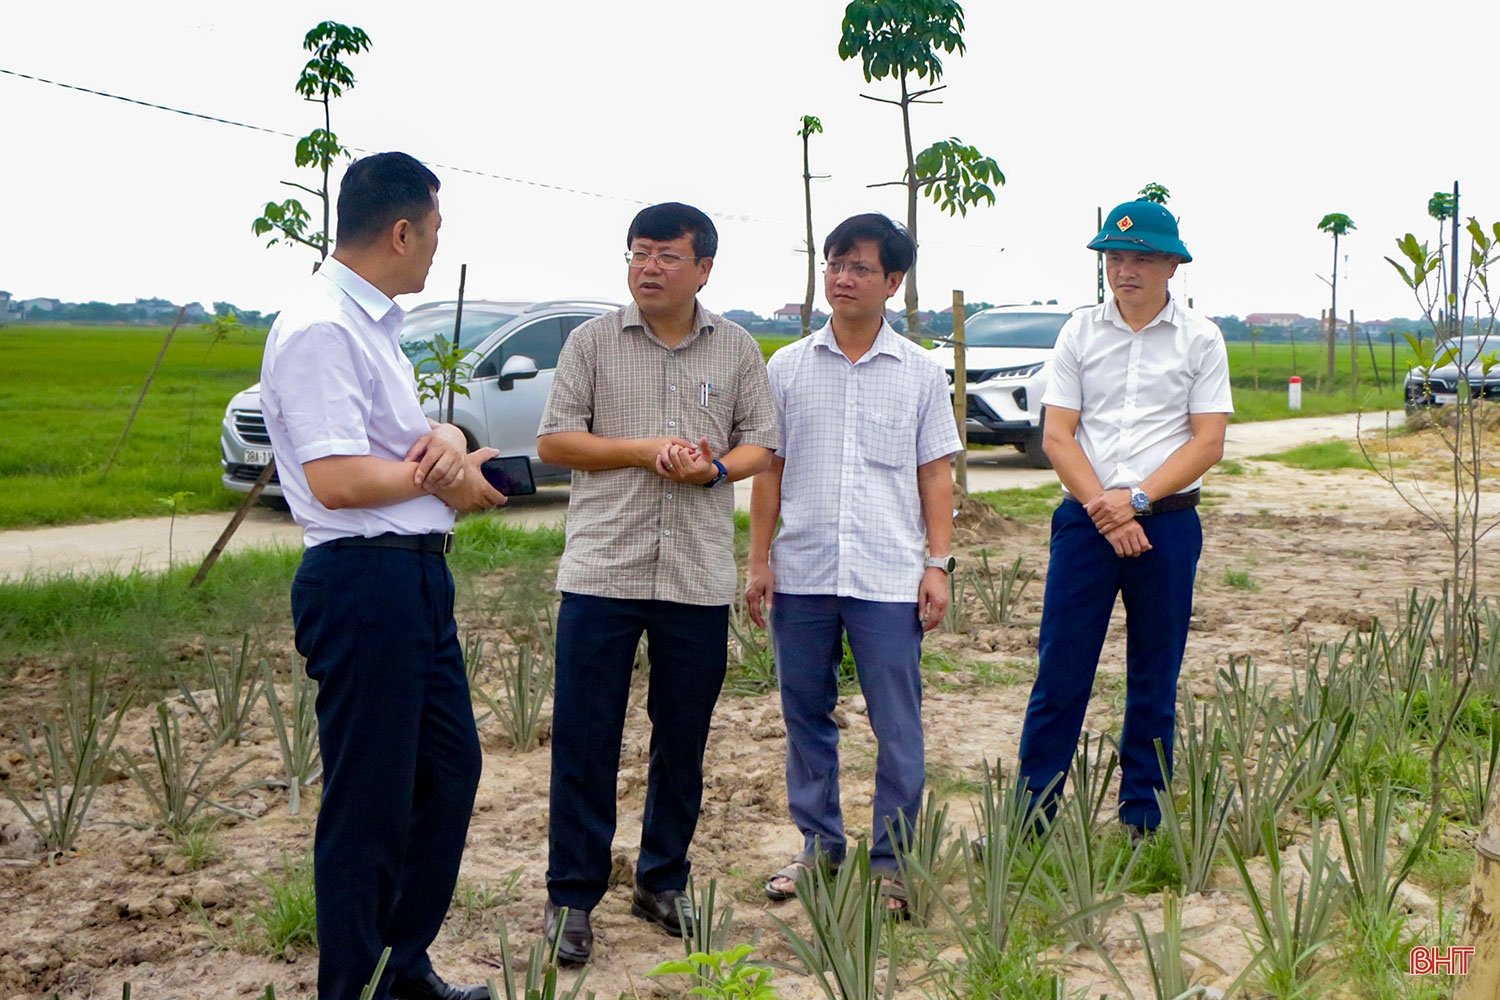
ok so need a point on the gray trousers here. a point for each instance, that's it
(886, 639)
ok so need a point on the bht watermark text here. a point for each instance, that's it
(1430, 960)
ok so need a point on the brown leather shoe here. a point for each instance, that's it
(661, 908)
(570, 935)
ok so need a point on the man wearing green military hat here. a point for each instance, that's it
(1136, 410)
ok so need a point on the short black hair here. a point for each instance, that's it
(898, 252)
(673, 219)
(380, 190)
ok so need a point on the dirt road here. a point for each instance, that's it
(154, 543)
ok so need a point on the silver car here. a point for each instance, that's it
(509, 350)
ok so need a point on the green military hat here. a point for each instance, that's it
(1142, 226)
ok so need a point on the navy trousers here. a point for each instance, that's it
(886, 640)
(596, 644)
(1083, 579)
(400, 757)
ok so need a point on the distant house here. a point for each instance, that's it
(1276, 319)
(5, 305)
(31, 306)
(792, 313)
(744, 317)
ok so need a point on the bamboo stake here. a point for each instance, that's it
(150, 376)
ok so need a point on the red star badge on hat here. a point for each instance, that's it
(1124, 223)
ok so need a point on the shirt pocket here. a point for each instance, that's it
(886, 440)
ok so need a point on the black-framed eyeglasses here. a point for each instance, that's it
(863, 272)
(665, 261)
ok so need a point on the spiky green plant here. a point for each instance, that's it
(1083, 880)
(177, 789)
(67, 769)
(525, 678)
(296, 734)
(722, 975)
(1000, 592)
(848, 924)
(929, 857)
(1196, 830)
(1290, 931)
(235, 688)
(540, 981)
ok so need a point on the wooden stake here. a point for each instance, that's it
(960, 392)
(142, 397)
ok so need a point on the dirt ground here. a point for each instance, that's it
(1324, 552)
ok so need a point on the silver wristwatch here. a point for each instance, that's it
(944, 563)
(1139, 501)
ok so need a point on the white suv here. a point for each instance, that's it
(1008, 356)
(510, 349)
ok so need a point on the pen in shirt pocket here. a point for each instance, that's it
(705, 390)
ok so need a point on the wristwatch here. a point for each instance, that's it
(719, 476)
(1139, 501)
(944, 563)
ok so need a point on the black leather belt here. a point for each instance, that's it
(1175, 502)
(437, 543)
(1166, 505)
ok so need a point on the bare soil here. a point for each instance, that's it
(1313, 555)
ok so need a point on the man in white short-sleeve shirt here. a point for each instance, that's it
(1136, 407)
(374, 485)
(862, 486)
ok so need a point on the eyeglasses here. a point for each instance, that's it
(665, 261)
(864, 272)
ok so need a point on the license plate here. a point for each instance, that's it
(1445, 397)
(257, 456)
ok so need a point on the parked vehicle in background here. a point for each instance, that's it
(1008, 357)
(509, 352)
(1455, 361)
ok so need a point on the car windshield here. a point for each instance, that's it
(1014, 329)
(421, 329)
(1465, 351)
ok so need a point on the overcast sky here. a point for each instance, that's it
(1260, 118)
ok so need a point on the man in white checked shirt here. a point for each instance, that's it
(863, 488)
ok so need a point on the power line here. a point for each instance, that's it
(216, 120)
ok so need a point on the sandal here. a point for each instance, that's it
(893, 896)
(800, 868)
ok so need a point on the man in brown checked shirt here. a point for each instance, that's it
(655, 407)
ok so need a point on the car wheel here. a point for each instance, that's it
(1036, 457)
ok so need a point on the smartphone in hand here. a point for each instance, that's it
(509, 475)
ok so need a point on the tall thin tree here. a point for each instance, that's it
(902, 39)
(810, 127)
(1338, 224)
(325, 77)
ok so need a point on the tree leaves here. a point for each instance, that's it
(902, 37)
(325, 75)
(955, 175)
(810, 126)
(1336, 223)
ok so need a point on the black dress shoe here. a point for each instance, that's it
(661, 909)
(433, 988)
(571, 936)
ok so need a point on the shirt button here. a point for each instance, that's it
(671, 423)
(671, 388)
(669, 496)
(668, 532)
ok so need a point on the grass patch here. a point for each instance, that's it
(1444, 869)
(288, 916)
(66, 396)
(1240, 579)
(1320, 457)
(1035, 504)
(1228, 467)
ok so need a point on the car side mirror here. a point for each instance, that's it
(516, 366)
